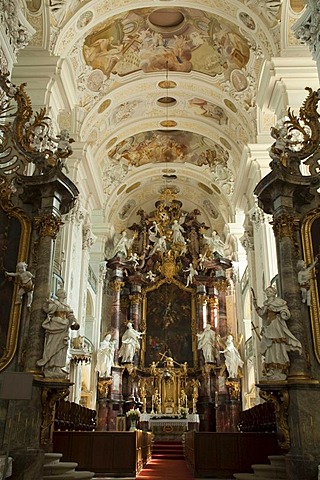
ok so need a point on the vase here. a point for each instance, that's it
(133, 425)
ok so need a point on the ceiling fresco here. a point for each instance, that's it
(165, 87)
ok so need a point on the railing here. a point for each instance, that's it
(260, 418)
(70, 416)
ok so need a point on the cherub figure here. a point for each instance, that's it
(304, 277)
(25, 281)
(192, 272)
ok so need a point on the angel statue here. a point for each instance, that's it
(116, 246)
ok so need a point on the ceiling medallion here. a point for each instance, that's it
(167, 84)
(168, 20)
(168, 123)
(166, 101)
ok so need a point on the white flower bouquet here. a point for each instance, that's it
(184, 412)
(133, 414)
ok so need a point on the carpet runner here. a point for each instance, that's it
(167, 463)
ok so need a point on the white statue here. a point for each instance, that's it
(304, 277)
(130, 344)
(123, 245)
(160, 245)
(105, 357)
(215, 244)
(232, 358)
(276, 338)
(192, 272)
(60, 318)
(207, 343)
(177, 233)
(25, 282)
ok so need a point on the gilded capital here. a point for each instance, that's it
(116, 285)
(285, 226)
(48, 225)
(136, 299)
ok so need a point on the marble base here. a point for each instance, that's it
(27, 464)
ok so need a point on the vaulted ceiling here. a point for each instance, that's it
(165, 94)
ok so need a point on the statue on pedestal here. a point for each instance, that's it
(130, 344)
(60, 318)
(105, 357)
(207, 343)
(276, 338)
(232, 358)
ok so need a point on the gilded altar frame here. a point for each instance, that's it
(11, 323)
(310, 233)
(173, 283)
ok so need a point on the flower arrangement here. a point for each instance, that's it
(133, 414)
(184, 412)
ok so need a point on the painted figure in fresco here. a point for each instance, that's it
(232, 358)
(60, 318)
(207, 343)
(304, 277)
(130, 344)
(105, 357)
(25, 281)
(276, 338)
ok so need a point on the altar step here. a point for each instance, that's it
(168, 451)
(53, 469)
(273, 471)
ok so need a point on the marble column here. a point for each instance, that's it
(116, 285)
(221, 286)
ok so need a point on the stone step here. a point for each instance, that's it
(269, 471)
(59, 468)
(244, 476)
(70, 476)
(52, 457)
(278, 460)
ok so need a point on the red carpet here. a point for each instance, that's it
(167, 463)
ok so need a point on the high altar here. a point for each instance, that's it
(170, 280)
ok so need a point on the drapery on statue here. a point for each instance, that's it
(130, 344)
(232, 358)
(208, 344)
(304, 277)
(60, 318)
(25, 281)
(276, 338)
(105, 356)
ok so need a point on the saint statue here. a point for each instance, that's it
(276, 338)
(207, 343)
(130, 344)
(105, 357)
(60, 318)
(232, 358)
